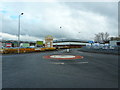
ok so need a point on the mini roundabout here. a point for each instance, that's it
(63, 57)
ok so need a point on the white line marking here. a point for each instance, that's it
(82, 62)
(58, 63)
(80, 52)
(71, 63)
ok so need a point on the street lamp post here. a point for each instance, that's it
(19, 33)
(68, 49)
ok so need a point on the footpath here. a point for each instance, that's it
(104, 51)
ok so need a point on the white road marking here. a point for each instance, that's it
(82, 62)
(80, 52)
(58, 63)
(70, 63)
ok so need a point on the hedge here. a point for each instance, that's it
(25, 50)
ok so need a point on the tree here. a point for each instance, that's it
(106, 36)
(102, 37)
(97, 37)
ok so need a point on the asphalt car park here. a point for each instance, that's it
(33, 70)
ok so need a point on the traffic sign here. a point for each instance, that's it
(8, 44)
(91, 41)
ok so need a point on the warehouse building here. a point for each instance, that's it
(13, 43)
(72, 43)
(115, 42)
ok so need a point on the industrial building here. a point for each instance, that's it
(14, 43)
(71, 43)
(114, 42)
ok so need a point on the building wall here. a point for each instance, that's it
(70, 43)
(114, 43)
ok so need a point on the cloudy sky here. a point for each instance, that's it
(78, 20)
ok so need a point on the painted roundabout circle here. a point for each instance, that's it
(65, 57)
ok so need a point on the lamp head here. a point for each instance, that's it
(22, 13)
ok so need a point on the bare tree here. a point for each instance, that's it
(106, 36)
(97, 37)
(102, 37)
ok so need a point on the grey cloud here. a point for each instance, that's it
(41, 19)
(104, 8)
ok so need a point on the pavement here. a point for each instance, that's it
(105, 51)
(0, 71)
(32, 70)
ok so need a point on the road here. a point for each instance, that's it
(31, 70)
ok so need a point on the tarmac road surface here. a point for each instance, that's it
(32, 70)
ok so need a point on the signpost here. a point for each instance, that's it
(39, 43)
(8, 44)
(91, 42)
(49, 41)
(25, 45)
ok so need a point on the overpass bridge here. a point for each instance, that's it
(69, 40)
(71, 43)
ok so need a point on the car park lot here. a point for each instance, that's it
(32, 70)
